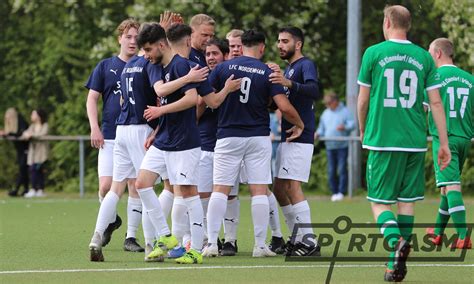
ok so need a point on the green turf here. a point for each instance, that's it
(54, 233)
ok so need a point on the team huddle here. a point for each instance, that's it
(192, 111)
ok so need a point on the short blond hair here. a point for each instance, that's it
(126, 25)
(399, 16)
(234, 33)
(445, 45)
(201, 19)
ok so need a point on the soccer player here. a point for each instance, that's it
(293, 160)
(105, 82)
(235, 43)
(457, 95)
(393, 77)
(232, 214)
(177, 138)
(216, 52)
(129, 150)
(203, 30)
(243, 134)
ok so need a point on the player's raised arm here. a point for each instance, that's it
(439, 117)
(97, 139)
(291, 115)
(187, 101)
(362, 108)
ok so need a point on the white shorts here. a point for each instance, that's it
(183, 166)
(129, 150)
(293, 161)
(154, 161)
(105, 160)
(206, 164)
(254, 152)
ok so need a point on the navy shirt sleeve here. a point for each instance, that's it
(214, 77)
(276, 89)
(205, 88)
(154, 73)
(96, 80)
(310, 85)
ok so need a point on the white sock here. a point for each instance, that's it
(134, 216)
(179, 218)
(274, 216)
(155, 213)
(302, 216)
(166, 200)
(149, 232)
(205, 205)
(106, 212)
(215, 214)
(231, 219)
(196, 222)
(260, 213)
(289, 217)
(100, 197)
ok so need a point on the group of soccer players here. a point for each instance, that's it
(193, 111)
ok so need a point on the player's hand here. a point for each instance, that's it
(177, 19)
(166, 19)
(361, 136)
(295, 133)
(232, 84)
(152, 112)
(444, 157)
(275, 67)
(278, 78)
(97, 139)
(149, 140)
(316, 136)
(197, 74)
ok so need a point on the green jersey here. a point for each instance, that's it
(397, 72)
(457, 94)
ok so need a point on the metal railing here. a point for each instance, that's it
(353, 140)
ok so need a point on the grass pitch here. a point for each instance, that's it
(46, 241)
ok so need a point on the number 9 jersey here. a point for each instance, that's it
(397, 72)
(244, 113)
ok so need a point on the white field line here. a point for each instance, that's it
(226, 267)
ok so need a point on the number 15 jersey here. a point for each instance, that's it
(244, 113)
(397, 72)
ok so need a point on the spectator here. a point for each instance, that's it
(15, 124)
(336, 120)
(37, 152)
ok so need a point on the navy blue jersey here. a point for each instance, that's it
(137, 92)
(179, 131)
(244, 113)
(105, 79)
(208, 128)
(302, 71)
(198, 57)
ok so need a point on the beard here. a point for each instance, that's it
(287, 55)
